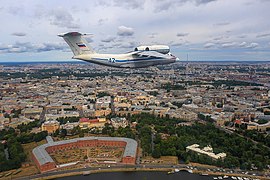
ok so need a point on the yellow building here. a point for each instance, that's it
(51, 126)
(85, 123)
(99, 113)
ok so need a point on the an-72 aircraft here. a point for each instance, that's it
(142, 56)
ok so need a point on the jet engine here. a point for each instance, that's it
(159, 48)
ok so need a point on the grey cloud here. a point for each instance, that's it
(152, 35)
(209, 45)
(242, 36)
(102, 21)
(20, 34)
(200, 2)
(59, 17)
(134, 4)
(16, 10)
(219, 39)
(251, 45)
(50, 47)
(102, 3)
(125, 31)
(108, 39)
(40, 12)
(164, 5)
(263, 35)
(222, 24)
(182, 34)
(21, 47)
(176, 44)
(127, 45)
(4, 47)
(228, 45)
(62, 18)
(243, 44)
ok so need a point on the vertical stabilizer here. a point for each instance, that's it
(77, 43)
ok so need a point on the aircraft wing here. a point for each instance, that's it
(153, 54)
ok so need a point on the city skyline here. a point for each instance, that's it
(205, 29)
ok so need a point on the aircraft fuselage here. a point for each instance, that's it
(126, 60)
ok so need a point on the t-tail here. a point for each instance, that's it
(77, 43)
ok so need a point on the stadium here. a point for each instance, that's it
(59, 154)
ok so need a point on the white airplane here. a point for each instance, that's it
(142, 56)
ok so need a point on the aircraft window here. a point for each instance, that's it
(144, 56)
(147, 48)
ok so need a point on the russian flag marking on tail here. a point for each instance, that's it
(81, 45)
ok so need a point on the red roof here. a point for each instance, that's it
(84, 120)
(238, 121)
(94, 120)
(89, 120)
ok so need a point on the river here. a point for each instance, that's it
(140, 176)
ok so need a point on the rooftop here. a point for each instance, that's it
(43, 157)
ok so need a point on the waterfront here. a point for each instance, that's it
(140, 176)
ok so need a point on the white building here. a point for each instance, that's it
(119, 122)
(208, 150)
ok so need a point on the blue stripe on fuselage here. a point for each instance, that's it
(130, 60)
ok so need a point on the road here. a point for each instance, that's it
(145, 166)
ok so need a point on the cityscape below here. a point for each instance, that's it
(70, 118)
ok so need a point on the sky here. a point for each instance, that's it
(206, 30)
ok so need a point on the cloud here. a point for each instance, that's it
(176, 44)
(127, 45)
(21, 47)
(228, 45)
(243, 44)
(200, 2)
(152, 35)
(134, 4)
(248, 45)
(62, 18)
(108, 39)
(16, 10)
(209, 45)
(252, 45)
(20, 34)
(242, 36)
(263, 35)
(50, 47)
(182, 34)
(164, 5)
(101, 21)
(125, 31)
(222, 24)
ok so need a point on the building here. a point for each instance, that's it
(85, 123)
(208, 150)
(45, 163)
(69, 127)
(51, 126)
(119, 122)
(32, 113)
(259, 127)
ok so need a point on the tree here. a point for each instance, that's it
(156, 152)
(81, 134)
(63, 133)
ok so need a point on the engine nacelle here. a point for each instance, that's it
(159, 48)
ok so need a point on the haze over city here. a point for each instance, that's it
(214, 30)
